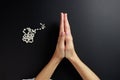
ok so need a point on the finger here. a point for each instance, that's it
(61, 32)
(61, 39)
(67, 25)
(61, 23)
(67, 29)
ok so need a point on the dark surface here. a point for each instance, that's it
(95, 27)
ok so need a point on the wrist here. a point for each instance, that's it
(73, 58)
(56, 58)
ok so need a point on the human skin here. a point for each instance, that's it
(65, 49)
(70, 53)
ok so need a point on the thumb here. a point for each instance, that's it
(61, 39)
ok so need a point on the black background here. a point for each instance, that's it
(95, 26)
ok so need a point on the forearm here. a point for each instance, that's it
(85, 72)
(48, 70)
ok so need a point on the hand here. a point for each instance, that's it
(65, 46)
(59, 52)
(69, 47)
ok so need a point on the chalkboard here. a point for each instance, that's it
(95, 26)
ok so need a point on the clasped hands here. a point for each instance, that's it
(65, 46)
(65, 49)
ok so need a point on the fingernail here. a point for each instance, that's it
(66, 14)
(61, 13)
